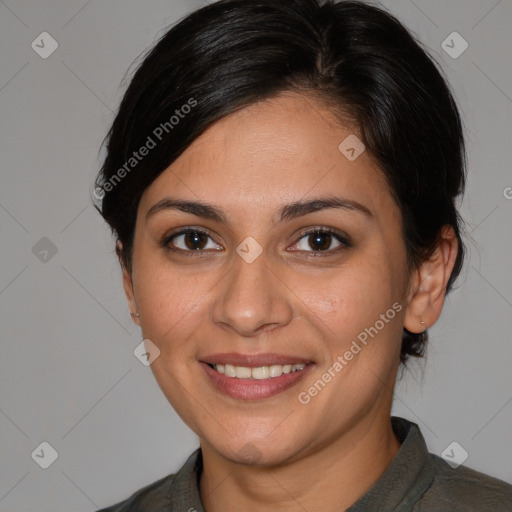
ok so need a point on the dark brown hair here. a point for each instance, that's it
(232, 53)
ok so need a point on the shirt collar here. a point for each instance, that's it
(408, 476)
(184, 492)
(401, 485)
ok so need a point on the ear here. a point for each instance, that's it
(427, 289)
(127, 285)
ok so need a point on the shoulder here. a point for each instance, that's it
(152, 497)
(178, 491)
(464, 490)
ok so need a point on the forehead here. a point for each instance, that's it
(272, 152)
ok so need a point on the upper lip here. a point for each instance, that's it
(253, 360)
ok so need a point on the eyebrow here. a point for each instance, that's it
(287, 212)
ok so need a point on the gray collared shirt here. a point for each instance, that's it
(415, 481)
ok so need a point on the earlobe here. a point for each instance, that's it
(128, 285)
(428, 284)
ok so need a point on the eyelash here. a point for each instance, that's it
(341, 238)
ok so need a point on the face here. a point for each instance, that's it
(264, 246)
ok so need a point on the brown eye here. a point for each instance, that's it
(195, 240)
(191, 240)
(321, 240)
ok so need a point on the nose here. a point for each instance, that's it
(251, 299)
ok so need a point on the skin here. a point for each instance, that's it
(290, 300)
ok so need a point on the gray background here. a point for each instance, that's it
(68, 375)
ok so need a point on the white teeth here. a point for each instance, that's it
(229, 370)
(276, 370)
(242, 372)
(260, 372)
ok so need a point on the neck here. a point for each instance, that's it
(336, 475)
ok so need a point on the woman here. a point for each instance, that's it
(281, 180)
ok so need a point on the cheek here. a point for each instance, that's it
(171, 302)
(349, 299)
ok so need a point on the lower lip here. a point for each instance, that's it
(254, 389)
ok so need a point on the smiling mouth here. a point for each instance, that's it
(258, 372)
(255, 376)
